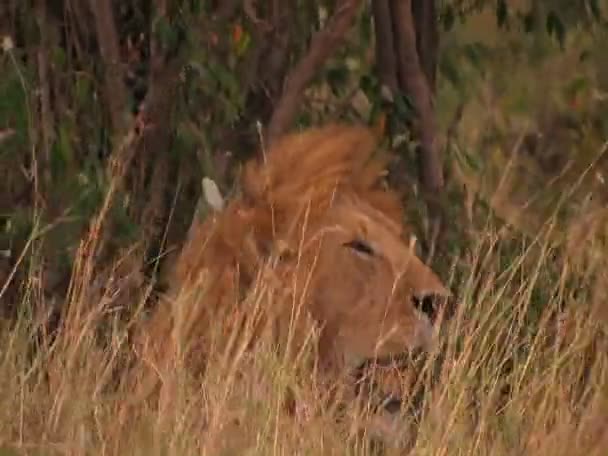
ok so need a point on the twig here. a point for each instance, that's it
(323, 45)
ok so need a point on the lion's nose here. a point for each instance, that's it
(430, 304)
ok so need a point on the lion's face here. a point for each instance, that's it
(370, 293)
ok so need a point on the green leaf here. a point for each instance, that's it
(529, 22)
(82, 90)
(577, 85)
(365, 29)
(595, 9)
(555, 27)
(370, 85)
(243, 45)
(450, 70)
(226, 78)
(467, 160)
(196, 7)
(449, 17)
(126, 227)
(167, 34)
(13, 110)
(475, 53)
(58, 56)
(62, 152)
(404, 108)
(502, 13)
(337, 76)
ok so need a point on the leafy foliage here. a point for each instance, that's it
(521, 102)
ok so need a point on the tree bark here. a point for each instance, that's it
(414, 82)
(416, 62)
(323, 45)
(114, 87)
(385, 45)
(427, 37)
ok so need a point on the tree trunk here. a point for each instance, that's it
(406, 52)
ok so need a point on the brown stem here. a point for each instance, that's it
(8, 12)
(107, 37)
(413, 82)
(385, 49)
(226, 9)
(46, 113)
(283, 16)
(78, 23)
(323, 45)
(250, 11)
(427, 37)
(157, 134)
(266, 76)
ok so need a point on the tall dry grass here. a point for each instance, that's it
(513, 373)
(508, 383)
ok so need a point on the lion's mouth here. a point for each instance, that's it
(399, 361)
(369, 385)
(410, 362)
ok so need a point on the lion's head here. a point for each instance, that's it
(315, 212)
(373, 295)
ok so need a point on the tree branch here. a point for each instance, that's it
(156, 116)
(46, 112)
(226, 9)
(385, 48)
(427, 37)
(413, 82)
(107, 37)
(323, 45)
(266, 76)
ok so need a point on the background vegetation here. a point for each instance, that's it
(497, 114)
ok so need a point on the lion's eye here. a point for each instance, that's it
(360, 246)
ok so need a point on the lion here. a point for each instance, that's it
(316, 224)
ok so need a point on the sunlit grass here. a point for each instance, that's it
(507, 384)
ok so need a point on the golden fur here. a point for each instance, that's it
(316, 226)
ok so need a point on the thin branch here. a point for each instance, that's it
(385, 48)
(323, 45)
(413, 82)
(46, 113)
(262, 24)
(227, 9)
(107, 37)
(427, 36)
(156, 115)
(267, 75)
